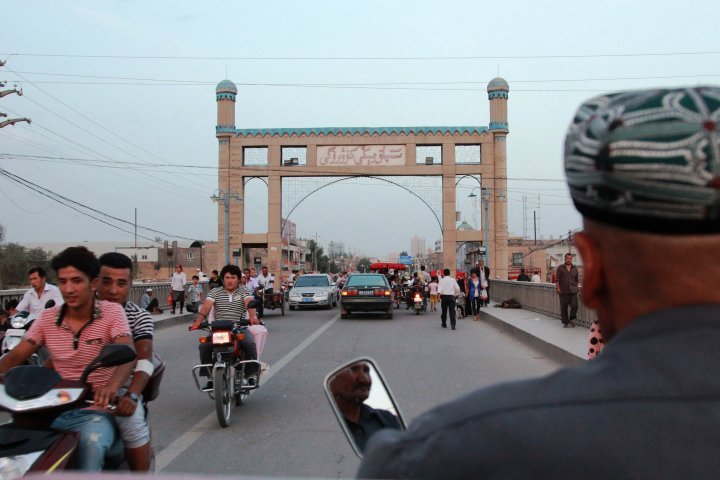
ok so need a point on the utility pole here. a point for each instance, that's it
(11, 121)
(535, 227)
(135, 227)
(570, 241)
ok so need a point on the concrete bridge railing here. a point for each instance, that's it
(537, 297)
(161, 290)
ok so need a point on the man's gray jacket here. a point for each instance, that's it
(647, 407)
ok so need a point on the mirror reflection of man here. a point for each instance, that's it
(41, 292)
(350, 388)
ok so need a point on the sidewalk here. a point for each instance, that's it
(167, 319)
(545, 334)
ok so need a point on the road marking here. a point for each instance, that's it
(184, 441)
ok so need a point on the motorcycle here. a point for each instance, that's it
(397, 291)
(415, 299)
(35, 396)
(230, 385)
(20, 323)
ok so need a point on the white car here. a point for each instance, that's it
(312, 290)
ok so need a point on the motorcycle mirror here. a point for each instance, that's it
(50, 303)
(362, 402)
(254, 304)
(111, 355)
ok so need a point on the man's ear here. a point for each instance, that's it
(593, 285)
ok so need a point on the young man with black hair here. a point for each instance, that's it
(230, 302)
(114, 286)
(74, 333)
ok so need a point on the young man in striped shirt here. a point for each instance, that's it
(74, 334)
(114, 286)
(230, 302)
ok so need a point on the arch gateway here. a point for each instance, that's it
(450, 153)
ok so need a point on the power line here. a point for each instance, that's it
(62, 199)
(92, 121)
(393, 58)
(176, 82)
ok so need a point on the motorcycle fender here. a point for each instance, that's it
(60, 456)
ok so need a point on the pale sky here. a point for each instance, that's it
(96, 104)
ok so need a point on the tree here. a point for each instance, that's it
(13, 271)
(363, 265)
(2, 232)
(404, 253)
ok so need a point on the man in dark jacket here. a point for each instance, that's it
(644, 170)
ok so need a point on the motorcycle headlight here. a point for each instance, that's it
(17, 322)
(221, 337)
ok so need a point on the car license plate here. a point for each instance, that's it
(367, 292)
(308, 299)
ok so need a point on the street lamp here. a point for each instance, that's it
(485, 195)
(225, 197)
(475, 209)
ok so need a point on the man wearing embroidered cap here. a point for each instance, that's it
(644, 170)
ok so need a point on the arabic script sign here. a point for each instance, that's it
(362, 155)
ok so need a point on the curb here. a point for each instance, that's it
(172, 321)
(548, 349)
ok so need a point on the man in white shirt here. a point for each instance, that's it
(447, 288)
(41, 292)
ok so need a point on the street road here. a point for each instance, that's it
(286, 428)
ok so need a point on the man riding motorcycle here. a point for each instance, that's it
(230, 302)
(114, 286)
(74, 334)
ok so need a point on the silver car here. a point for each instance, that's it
(313, 289)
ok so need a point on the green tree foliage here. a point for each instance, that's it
(363, 265)
(404, 253)
(16, 260)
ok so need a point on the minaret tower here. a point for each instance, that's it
(225, 94)
(498, 96)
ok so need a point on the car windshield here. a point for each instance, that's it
(366, 281)
(312, 282)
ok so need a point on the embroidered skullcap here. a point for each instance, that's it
(648, 160)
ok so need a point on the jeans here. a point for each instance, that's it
(97, 434)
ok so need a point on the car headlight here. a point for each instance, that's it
(321, 295)
(295, 296)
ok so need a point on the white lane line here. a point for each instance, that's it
(183, 442)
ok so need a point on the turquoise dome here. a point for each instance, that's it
(226, 86)
(498, 83)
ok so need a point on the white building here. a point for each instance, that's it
(417, 246)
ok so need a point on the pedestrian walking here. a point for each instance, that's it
(567, 288)
(177, 285)
(433, 286)
(447, 288)
(474, 289)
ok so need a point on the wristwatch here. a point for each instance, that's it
(133, 396)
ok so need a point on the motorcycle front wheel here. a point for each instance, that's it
(223, 393)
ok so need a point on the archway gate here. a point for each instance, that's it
(446, 152)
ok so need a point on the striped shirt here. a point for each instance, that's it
(140, 321)
(229, 305)
(72, 351)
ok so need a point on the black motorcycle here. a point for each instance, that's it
(230, 386)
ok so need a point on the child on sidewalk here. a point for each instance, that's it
(433, 286)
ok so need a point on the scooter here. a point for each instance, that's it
(35, 396)
(417, 302)
(20, 323)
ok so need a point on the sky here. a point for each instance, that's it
(122, 101)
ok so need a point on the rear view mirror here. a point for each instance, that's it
(362, 402)
(111, 355)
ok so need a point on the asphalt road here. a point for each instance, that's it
(286, 428)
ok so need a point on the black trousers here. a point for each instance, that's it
(447, 302)
(152, 305)
(178, 297)
(247, 345)
(568, 300)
